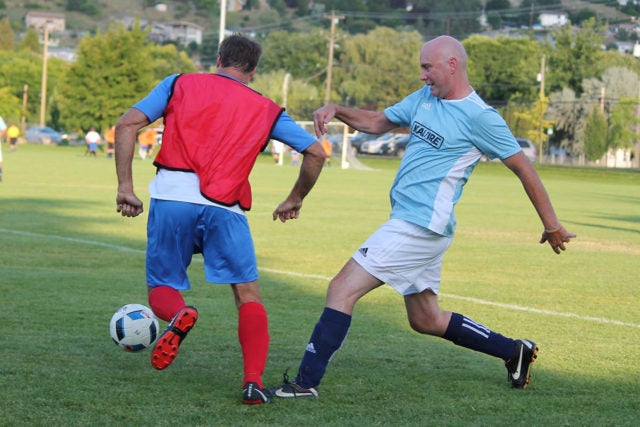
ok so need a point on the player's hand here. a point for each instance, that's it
(321, 117)
(557, 238)
(287, 210)
(128, 204)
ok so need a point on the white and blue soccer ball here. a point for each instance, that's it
(134, 327)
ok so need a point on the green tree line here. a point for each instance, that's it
(370, 70)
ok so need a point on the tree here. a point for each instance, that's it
(502, 67)
(595, 136)
(304, 55)
(446, 16)
(24, 67)
(379, 68)
(569, 114)
(496, 10)
(10, 106)
(6, 35)
(167, 59)
(623, 122)
(576, 56)
(112, 72)
(30, 41)
(88, 7)
(302, 97)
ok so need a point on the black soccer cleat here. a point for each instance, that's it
(519, 366)
(253, 394)
(290, 389)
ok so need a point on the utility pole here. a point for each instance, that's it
(223, 19)
(636, 159)
(541, 101)
(43, 96)
(334, 20)
(25, 90)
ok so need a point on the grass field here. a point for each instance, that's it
(68, 261)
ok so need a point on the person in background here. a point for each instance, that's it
(215, 126)
(146, 140)
(328, 149)
(451, 129)
(93, 140)
(12, 135)
(110, 141)
(3, 131)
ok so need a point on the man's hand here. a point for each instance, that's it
(321, 117)
(557, 238)
(128, 204)
(287, 210)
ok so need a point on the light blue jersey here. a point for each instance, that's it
(448, 138)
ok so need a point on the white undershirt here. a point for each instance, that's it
(182, 187)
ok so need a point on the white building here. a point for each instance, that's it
(553, 19)
(620, 158)
(38, 20)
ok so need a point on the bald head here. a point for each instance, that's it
(444, 68)
(446, 47)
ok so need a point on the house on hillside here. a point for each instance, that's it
(38, 20)
(185, 32)
(181, 32)
(553, 19)
(237, 5)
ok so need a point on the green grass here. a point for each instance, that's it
(68, 261)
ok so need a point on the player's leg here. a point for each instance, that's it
(351, 283)
(426, 317)
(229, 257)
(253, 335)
(170, 240)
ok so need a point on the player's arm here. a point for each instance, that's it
(374, 122)
(287, 131)
(128, 204)
(554, 232)
(312, 163)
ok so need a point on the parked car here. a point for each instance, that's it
(384, 144)
(529, 149)
(400, 145)
(42, 135)
(358, 139)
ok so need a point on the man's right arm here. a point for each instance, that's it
(373, 122)
(312, 163)
(128, 204)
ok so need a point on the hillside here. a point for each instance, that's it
(114, 9)
(606, 12)
(15, 10)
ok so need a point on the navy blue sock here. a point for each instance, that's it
(465, 332)
(326, 339)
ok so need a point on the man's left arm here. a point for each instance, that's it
(554, 232)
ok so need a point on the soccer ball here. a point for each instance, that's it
(134, 327)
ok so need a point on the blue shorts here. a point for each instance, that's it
(177, 230)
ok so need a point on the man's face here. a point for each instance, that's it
(435, 71)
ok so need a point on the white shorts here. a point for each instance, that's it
(405, 256)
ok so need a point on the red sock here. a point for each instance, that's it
(165, 302)
(253, 333)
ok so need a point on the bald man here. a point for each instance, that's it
(451, 129)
